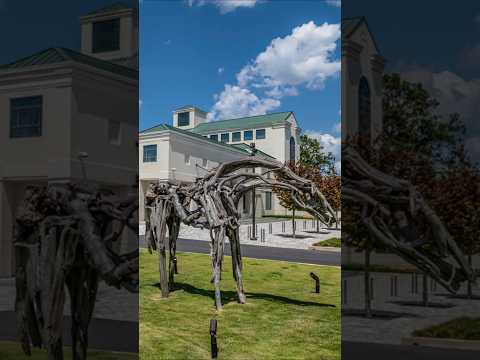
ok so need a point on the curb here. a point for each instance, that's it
(325, 248)
(442, 343)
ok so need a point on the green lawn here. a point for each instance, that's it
(465, 328)
(332, 242)
(13, 351)
(282, 319)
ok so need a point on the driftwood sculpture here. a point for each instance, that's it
(64, 238)
(212, 202)
(397, 217)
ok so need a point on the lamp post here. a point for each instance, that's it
(253, 152)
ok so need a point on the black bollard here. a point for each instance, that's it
(317, 282)
(213, 338)
(175, 265)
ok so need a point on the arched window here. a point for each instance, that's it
(292, 148)
(364, 110)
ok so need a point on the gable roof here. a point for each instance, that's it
(239, 147)
(350, 25)
(111, 8)
(59, 55)
(243, 123)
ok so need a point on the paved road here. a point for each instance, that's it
(264, 252)
(357, 350)
(112, 335)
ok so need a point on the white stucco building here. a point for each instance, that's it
(183, 151)
(58, 103)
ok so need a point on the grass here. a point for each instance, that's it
(12, 351)
(465, 328)
(282, 319)
(332, 242)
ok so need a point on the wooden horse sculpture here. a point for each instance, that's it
(397, 217)
(64, 237)
(212, 203)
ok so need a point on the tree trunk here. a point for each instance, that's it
(293, 223)
(425, 290)
(469, 283)
(368, 291)
(318, 226)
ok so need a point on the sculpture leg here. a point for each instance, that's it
(82, 285)
(237, 264)
(217, 256)
(174, 228)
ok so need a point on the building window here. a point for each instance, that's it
(184, 119)
(114, 132)
(149, 153)
(248, 135)
(268, 200)
(214, 137)
(26, 117)
(187, 159)
(364, 111)
(225, 138)
(292, 148)
(236, 136)
(106, 36)
(260, 134)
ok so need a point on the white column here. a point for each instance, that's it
(6, 232)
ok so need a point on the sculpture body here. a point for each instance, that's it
(212, 202)
(64, 238)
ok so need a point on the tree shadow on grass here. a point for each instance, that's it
(231, 296)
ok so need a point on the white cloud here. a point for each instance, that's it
(220, 70)
(330, 143)
(454, 94)
(337, 128)
(225, 6)
(306, 57)
(235, 101)
(336, 3)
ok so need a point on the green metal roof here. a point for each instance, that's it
(242, 123)
(248, 149)
(110, 8)
(58, 55)
(162, 127)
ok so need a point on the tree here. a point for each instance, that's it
(316, 165)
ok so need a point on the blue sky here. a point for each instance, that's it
(190, 50)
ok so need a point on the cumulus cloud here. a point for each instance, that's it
(329, 143)
(225, 6)
(235, 101)
(306, 58)
(454, 94)
(337, 3)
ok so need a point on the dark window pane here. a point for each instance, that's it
(225, 137)
(248, 135)
(364, 112)
(292, 149)
(260, 134)
(214, 137)
(149, 153)
(268, 200)
(184, 119)
(26, 117)
(236, 136)
(106, 36)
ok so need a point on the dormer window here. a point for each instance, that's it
(106, 36)
(184, 119)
